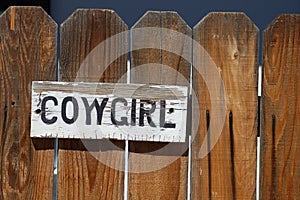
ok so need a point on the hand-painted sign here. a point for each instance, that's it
(103, 110)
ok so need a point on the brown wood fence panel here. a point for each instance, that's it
(280, 139)
(27, 52)
(159, 170)
(81, 175)
(228, 170)
(161, 54)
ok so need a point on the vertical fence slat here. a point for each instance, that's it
(230, 41)
(27, 52)
(82, 175)
(280, 143)
(149, 177)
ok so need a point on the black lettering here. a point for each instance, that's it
(147, 112)
(89, 108)
(169, 125)
(102, 106)
(162, 116)
(133, 112)
(64, 108)
(113, 112)
(43, 110)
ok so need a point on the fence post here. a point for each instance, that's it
(159, 43)
(226, 58)
(27, 52)
(280, 138)
(81, 174)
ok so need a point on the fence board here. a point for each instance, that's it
(27, 52)
(280, 139)
(81, 175)
(229, 169)
(164, 48)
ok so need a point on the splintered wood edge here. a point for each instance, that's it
(153, 92)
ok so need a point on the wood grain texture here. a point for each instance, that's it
(229, 170)
(124, 90)
(280, 139)
(81, 175)
(159, 170)
(28, 38)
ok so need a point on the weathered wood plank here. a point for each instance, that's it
(28, 39)
(114, 90)
(83, 57)
(230, 47)
(159, 42)
(107, 110)
(280, 138)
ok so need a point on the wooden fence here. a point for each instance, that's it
(28, 52)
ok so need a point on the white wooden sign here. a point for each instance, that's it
(102, 110)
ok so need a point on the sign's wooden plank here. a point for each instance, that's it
(159, 43)
(280, 138)
(84, 55)
(107, 110)
(228, 44)
(137, 91)
(28, 39)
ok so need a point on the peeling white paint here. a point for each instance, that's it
(81, 129)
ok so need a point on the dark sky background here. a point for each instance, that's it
(262, 12)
